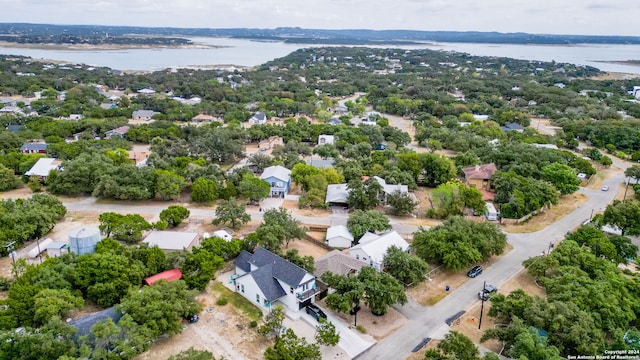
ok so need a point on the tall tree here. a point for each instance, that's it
(290, 347)
(401, 203)
(404, 267)
(625, 215)
(232, 213)
(204, 190)
(253, 188)
(562, 177)
(174, 215)
(282, 218)
(169, 185)
(360, 222)
(459, 242)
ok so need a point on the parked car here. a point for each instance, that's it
(316, 312)
(605, 188)
(475, 271)
(484, 294)
(193, 318)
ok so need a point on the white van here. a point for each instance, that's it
(492, 213)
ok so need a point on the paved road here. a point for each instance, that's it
(430, 321)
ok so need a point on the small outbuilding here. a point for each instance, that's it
(339, 236)
(223, 234)
(57, 248)
(169, 276)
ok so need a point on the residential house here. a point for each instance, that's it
(85, 323)
(372, 248)
(202, 117)
(76, 116)
(325, 139)
(339, 109)
(271, 142)
(117, 132)
(264, 278)
(39, 147)
(279, 178)
(388, 189)
(480, 117)
(335, 121)
(636, 92)
(479, 176)
(339, 236)
(139, 157)
(169, 276)
(143, 114)
(43, 167)
(513, 127)
(14, 128)
(10, 110)
(258, 118)
(338, 263)
(172, 240)
(546, 146)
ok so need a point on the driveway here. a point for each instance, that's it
(351, 344)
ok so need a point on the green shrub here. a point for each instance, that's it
(222, 301)
(253, 324)
(361, 329)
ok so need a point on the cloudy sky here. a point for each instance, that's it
(596, 17)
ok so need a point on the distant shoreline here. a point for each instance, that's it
(88, 47)
(620, 62)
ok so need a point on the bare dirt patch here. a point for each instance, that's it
(429, 292)
(222, 330)
(20, 193)
(306, 248)
(566, 204)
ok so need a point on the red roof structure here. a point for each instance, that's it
(169, 275)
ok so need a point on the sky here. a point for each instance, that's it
(588, 17)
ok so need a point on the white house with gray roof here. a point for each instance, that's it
(372, 248)
(264, 278)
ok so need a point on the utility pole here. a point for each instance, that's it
(484, 286)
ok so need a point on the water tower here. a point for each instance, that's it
(83, 241)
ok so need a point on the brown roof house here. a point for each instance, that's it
(479, 175)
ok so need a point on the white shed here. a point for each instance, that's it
(339, 236)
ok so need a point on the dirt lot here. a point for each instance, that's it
(222, 330)
(307, 248)
(429, 292)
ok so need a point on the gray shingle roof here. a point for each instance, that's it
(33, 147)
(282, 269)
(85, 323)
(264, 278)
(278, 172)
(242, 261)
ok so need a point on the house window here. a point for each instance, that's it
(291, 290)
(258, 298)
(273, 184)
(242, 288)
(357, 257)
(305, 287)
(364, 258)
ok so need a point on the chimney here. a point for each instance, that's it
(477, 167)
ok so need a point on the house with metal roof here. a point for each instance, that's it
(339, 236)
(172, 240)
(43, 167)
(372, 248)
(264, 278)
(117, 132)
(279, 179)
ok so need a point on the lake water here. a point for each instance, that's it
(250, 53)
